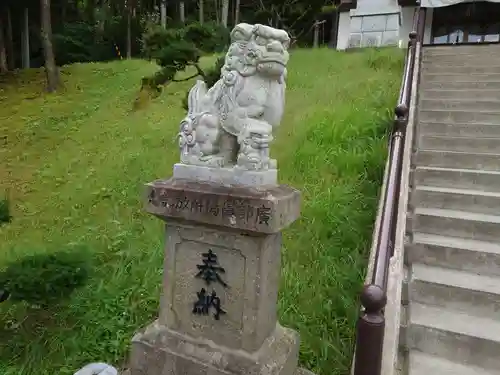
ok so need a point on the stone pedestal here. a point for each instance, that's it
(221, 278)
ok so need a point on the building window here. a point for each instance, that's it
(466, 23)
(492, 33)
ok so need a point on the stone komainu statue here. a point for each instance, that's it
(97, 369)
(231, 124)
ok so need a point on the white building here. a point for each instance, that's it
(369, 23)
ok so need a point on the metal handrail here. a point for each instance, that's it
(371, 324)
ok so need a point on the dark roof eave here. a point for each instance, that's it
(347, 5)
(407, 3)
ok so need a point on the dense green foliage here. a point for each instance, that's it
(175, 50)
(84, 41)
(89, 30)
(208, 37)
(42, 279)
(4, 211)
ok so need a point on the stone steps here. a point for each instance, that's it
(474, 201)
(459, 84)
(464, 59)
(452, 257)
(456, 290)
(461, 116)
(458, 178)
(458, 129)
(475, 104)
(455, 253)
(480, 76)
(456, 50)
(462, 53)
(457, 337)
(454, 223)
(457, 66)
(491, 68)
(460, 144)
(474, 94)
(461, 50)
(425, 364)
(454, 159)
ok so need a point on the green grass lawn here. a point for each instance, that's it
(74, 163)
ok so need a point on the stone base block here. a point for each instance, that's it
(160, 351)
(226, 176)
(300, 371)
(303, 371)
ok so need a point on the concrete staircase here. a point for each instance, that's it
(451, 324)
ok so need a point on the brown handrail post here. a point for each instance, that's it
(370, 328)
(370, 332)
(399, 132)
(421, 24)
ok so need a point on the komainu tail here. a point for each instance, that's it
(196, 97)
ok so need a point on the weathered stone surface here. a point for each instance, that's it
(390, 38)
(226, 176)
(98, 368)
(300, 371)
(160, 351)
(356, 25)
(355, 40)
(374, 29)
(374, 23)
(303, 371)
(256, 209)
(224, 214)
(232, 123)
(371, 39)
(223, 250)
(247, 287)
(392, 22)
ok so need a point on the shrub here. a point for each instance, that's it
(155, 38)
(115, 32)
(199, 35)
(173, 58)
(209, 37)
(81, 41)
(5, 211)
(4, 295)
(174, 50)
(74, 43)
(45, 278)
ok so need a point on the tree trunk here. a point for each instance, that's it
(129, 34)
(316, 34)
(25, 53)
(48, 50)
(237, 12)
(163, 13)
(201, 10)
(334, 30)
(182, 12)
(101, 23)
(217, 13)
(63, 11)
(90, 10)
(225, 12)
(10, 42)
(3, 55)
